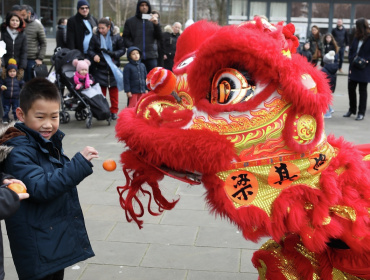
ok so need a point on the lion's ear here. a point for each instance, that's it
(292, 40)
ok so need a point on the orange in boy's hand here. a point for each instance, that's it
(18, 188)
(109, 165)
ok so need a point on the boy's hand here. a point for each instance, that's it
(3, 87)
(21, 195)
(89, 153)
(129, 94)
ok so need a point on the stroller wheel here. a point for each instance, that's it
(88, 118)
(78, 115)
(108, 120)
(84, 115)
(67, 117)
(61, 117)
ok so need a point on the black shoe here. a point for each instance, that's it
(113, 116)
(359, 117)
(348, 114)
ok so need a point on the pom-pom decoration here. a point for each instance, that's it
(161, 81)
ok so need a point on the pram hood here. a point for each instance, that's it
(65, 56)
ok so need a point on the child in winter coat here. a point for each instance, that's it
(82, 77)
(329, 45)
(47, 233)
(305, 51)
(330, 69)
(134, 76)
(10, 87)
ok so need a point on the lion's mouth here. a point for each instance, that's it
(192, 178)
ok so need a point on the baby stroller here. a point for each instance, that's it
(86, 103)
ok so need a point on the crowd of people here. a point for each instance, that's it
(330, 49)
(49, 223)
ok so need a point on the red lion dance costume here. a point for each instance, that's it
(246, 120)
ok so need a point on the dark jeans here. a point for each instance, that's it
(59, 275)
(341, 56)
(28, 72)
(352, 85)
(7, 103)
(149, 64)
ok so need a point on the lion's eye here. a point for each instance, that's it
(229, 86)
(185, 62)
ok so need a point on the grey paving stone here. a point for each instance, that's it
(230, 238)
(131, 273)
(210, 275)
(117, 253)
(193, 258)
(154, 234)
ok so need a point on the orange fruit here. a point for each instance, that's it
(18, 188)
(109, 165)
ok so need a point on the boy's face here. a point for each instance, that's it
(12, 73)
(135, 55)
(43, 117)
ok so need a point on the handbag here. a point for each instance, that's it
(359, 62)
(40, 70)
(317, 53)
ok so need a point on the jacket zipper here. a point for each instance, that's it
(11, 91)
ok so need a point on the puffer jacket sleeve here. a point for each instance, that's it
(119, 47)
(47, 182)
(9, 202)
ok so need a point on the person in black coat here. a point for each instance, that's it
(61, 36)
(9, 204)
(134, 76)
(79, 34)
(101, 70)
(361, 77)
(340, 35)
(169, 45)
(136, 28)
(16, 43)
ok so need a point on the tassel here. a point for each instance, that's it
(133, 189)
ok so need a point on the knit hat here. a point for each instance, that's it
(12, 64)
(82, 3)
(329, 57)
(81, 64)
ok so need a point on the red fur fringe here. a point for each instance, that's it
(142, 173)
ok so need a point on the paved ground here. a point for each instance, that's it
(186, 243)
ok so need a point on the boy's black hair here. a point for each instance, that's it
(35, 89)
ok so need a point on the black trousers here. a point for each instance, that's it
(59, 275)
(352, 85)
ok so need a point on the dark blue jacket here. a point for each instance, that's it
(340, 36)
(330, 69)
(134, 74)
(13, 87)
(48, 231)
(355, 74)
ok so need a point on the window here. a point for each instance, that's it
(278, 12)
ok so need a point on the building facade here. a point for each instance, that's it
(304, 14)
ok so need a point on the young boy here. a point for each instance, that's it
(47, 233)
(10, 87)
(134, 76)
